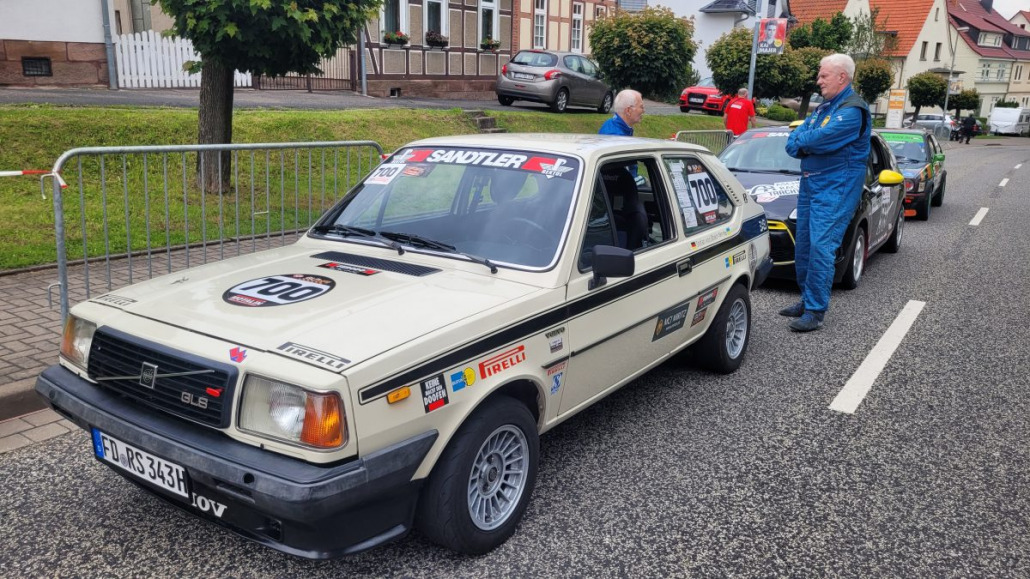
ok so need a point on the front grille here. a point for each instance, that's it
(183, 384)
(781, 246)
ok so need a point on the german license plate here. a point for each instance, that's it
(522, 76)
(696, 100)
(140, 464)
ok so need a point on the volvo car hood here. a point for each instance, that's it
(347, 305)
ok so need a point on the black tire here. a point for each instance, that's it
(505, 100)
(724, 345)
(444, 513)
(606, 104)
(938, 197)
(894, 242)
(923, 211)
(857, 255)
(561, 101)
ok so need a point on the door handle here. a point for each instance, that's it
(684, 267)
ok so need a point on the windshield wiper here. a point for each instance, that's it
(419, 241)
(348, 230)
(778, 171)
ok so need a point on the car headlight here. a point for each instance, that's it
(793, 215)
(286, 412)
(76, 340)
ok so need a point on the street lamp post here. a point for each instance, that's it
(951, 69)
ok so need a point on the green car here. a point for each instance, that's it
(921, 160)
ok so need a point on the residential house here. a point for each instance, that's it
(1019, 86)
(998, 49)
(713, 19)
(1021, 19)
(52, 42)
(562, 25)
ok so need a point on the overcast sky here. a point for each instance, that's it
(1009, 7)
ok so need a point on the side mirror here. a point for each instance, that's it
(938, 158)
(611, 261)
(888, 177)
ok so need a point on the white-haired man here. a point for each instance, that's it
(833, 145)
(629, 109)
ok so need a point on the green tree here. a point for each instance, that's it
(269, 37)
(833, 35)
(649, 51)
(926, 89)
(868, 37)
(729, 57)
(810, 56)
(872, 78)
(967, 100)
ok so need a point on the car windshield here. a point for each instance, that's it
(707, 81)
(506, 207)
(533, 58)
(906, 147)
(761, 151)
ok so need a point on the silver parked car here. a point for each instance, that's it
(558, 79)
(940, 125)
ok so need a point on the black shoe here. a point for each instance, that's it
(793, 311)
(808, 322)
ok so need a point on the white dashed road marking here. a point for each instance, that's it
(978, 217)
(861, 381)
(1003, 182)
(1019, 165)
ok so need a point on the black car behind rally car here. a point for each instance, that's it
(760, 162)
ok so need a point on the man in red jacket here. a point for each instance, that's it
(739, 113)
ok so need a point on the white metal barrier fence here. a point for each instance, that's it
(148, 209)
(149, 60)
(714, 141)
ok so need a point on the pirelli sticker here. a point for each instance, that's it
(501, 362)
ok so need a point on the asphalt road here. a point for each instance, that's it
(272, 99)
(684, 473)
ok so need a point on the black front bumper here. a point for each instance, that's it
(308, 510)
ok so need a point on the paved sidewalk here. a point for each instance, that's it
(31, 428)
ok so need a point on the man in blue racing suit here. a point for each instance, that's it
(833, 145)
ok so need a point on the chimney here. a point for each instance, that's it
(988, 5)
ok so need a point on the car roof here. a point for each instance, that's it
(581, 145)
(554, 52)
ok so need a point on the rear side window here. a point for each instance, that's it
(533, 58)
(703, 202)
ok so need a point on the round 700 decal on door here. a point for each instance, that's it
(490, 288)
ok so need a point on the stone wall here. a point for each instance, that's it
(72, 63)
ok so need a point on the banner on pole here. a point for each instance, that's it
(772, 35)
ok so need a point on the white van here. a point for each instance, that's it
(1005, 121)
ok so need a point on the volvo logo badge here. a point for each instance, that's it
(148, 375)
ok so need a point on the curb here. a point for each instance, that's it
(18, 398)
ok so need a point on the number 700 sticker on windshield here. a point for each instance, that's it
(383, 174)
(702, 192)
(278, 290)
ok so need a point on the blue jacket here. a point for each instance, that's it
(834, 139)
(616, 126)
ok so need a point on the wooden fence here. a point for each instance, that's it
(149, 60)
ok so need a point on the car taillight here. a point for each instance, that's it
(552, 74)
(504, 69)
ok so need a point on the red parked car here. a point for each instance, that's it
(703, 97)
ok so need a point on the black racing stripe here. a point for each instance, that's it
(522, 330)
(555, 316)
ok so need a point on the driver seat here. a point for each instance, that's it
(629, 214)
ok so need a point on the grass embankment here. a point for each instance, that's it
(34, 136)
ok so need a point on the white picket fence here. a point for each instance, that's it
(149, 60)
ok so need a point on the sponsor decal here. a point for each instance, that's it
(434, 393)
(550, 168)
(554, 339)
(670, 320)
(752, 257)
(707, 299)
(698, 318)
(337, 266)
(710, 217)
(207, 505)
(501, 362)
(736, 258)
(114, 300)
(484, 158)
(278, 290)
(710, 238)
(768, 192)
(238, 354)
(313, 356)
(555, 374)
(416, 170)
(463, 378)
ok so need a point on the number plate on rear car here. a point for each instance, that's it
(140, 464)
(522, 76)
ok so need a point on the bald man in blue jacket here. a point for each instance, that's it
(833, 145)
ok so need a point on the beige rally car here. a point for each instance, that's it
(396, 365)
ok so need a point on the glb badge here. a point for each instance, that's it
(148, 375)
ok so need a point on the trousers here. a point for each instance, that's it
(823, 218)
